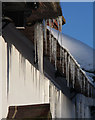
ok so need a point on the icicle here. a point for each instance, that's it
(80, 81)
(53, 50)
(55, 53)
(63, 60)
(45, 34)
(76, 108)
(91, 91)
(52, 44)
(50, 37)
(35, 41)
(81, 106)
(60, 55)
(78, 73)
(8, 69)
(71, 68)
(84, 83)
(73, 74)
(23, 66)
(88, 89)
(19, 64)
(40, 46)
(66, 65)
(60, 28)
(68, 71)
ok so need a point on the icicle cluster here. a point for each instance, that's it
(69, 66)
(52, 45)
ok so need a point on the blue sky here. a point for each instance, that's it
(79, 21)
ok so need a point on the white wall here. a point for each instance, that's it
(3, 77)
(28, 86)
(0, 77)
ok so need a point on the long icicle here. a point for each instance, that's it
(80, 76)
(54, 47)
(73, 74)
(91, 92)
(60, 56)
(60, 29)
(80, 79)
(50, 37)
(66, 66)
(68, 71)
(88, 88)
(84, 83)
(81, 106)
(55, 53)
(40, 46)
(52, 44)
(78, 73)
(35, 41)
(45, 34)
(63, 60)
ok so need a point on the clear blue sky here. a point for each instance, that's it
(79, 20)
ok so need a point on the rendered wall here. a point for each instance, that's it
(22, 84)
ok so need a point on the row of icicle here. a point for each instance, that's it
(40, 37)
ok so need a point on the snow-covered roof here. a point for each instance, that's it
(82, 53)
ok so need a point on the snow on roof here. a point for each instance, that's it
(82, 53)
